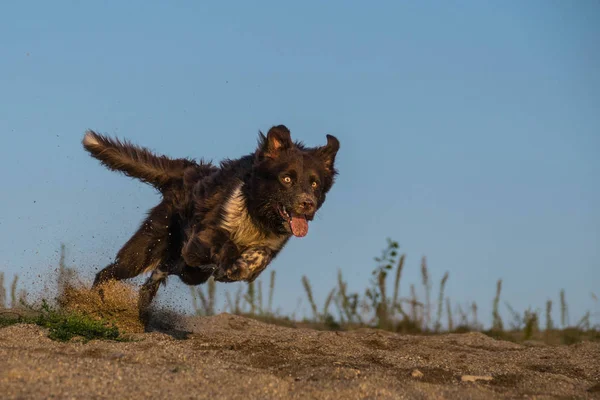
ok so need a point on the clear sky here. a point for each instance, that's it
(470, 132)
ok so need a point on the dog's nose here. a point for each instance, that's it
(307, 204)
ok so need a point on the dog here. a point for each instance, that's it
(228, 221)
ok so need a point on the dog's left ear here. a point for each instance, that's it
(328, 152)
(277, 140)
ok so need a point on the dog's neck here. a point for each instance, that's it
(243, 230)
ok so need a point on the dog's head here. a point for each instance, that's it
(290, 181)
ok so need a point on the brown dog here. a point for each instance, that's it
(230, 220)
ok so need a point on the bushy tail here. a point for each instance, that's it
(134, 161)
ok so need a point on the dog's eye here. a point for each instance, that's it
(314, 185)
(287, 179)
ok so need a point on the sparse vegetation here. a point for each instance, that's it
(341, 309)
(375, 308)
(63, 326)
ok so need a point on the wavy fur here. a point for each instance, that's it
(135, 161)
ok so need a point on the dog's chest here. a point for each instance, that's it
(242, 230)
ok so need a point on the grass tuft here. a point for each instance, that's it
(62, 325)
(66, 326)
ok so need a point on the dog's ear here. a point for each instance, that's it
(328, 152)
(277, 140)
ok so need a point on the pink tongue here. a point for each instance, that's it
(299, 225)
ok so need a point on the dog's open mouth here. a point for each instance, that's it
(298, 223)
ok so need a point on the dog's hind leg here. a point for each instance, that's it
(147, 249)
(134, 258)
(112, 271)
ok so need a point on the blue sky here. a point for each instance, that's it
(470, 132)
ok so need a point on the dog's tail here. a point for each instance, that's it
(136, 162)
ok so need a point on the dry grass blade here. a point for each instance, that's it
(229, 305)
(475, 322)
(212, 290)
(194, 300)
(250, 298)
(584, 322)
(438, 322)
(549, 322)
(271, 291)
(414, 303)
(13, 291)
(238, 301)
(400, 266)
(328, 303)
(427, 287)
(337, 302)
(259, 302)
(204, 302)
(2, 291)
(517, 323)
(564, 311)
(497, 324)
(464, 318)
(382, 307)
(309, 295)
(344, 298)
(449, 313)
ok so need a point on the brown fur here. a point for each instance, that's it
(230, 221)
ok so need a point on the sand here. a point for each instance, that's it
(233, 357)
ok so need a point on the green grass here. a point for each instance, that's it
(66, 326)
(62, 326)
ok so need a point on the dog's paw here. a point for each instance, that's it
(258, 259)
(220, 275)
(246, 268)
(195, 253)
(238, 271)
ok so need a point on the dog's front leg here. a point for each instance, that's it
(247, 266)
(199, 250)
(263, 257)
(224, 260)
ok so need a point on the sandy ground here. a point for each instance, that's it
(232, 357)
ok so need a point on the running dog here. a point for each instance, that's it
(228, 221)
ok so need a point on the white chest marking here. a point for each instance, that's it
(243, 231)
